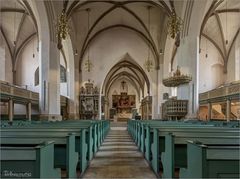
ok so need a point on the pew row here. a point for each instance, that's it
(29, 162)
(164, 143)
(71, 151)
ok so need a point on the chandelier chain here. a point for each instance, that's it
(88, 64)
(148, 63)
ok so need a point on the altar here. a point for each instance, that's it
(123, 105)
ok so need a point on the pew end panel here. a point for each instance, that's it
(211, 161)
(72, 157)
(29, 162)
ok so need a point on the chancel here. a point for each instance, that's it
(120, 89)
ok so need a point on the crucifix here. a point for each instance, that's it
(123, 84)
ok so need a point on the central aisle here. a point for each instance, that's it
(118, 157)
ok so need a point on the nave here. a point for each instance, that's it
(119, 157)
(89, 149)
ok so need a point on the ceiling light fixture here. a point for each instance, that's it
(161, 52)
(226, 24)
(62, 28)
(14, 21)
(174, 24)
(88, 65)
(76, 52)
(148, 63)
(76, 35)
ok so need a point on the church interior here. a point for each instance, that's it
(120, 88)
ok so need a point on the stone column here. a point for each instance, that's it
(29, 111)
(106, 109)
(228, 110)
(155, 95)
(72, 80)
(49, 93)
(10, 109)
(2, 64)
(209, 111)
(188, 60)
(73, 88)
(147, 112)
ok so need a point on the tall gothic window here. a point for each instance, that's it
(63, 75)
(36, 77)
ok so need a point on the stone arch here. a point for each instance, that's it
(126, 62)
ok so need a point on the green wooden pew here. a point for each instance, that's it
(96, 131)
(29, 162)
(146, 136)
(61, 127)
(139, 129)
(80, 134)
(175, 154)
(153, 143)
(99, 130)
(135, 125)
(205, 161)
(68, 149)
(159, 134)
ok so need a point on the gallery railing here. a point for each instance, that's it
(22, 95)
(231, 91)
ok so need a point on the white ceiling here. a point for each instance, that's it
(223, 25)
(16, 25)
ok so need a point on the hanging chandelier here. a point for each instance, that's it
(174, 25)
(88, 65)
(177, 79)
(148, 63)
(62, 27)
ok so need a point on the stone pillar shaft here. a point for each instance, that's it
(209, 111)
(10, 110)
(189, 49)
(49, 70)
(228, 110)
(29, 111)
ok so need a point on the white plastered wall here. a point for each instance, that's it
(233, 73)
(25, 71)
(110, 47)
(5, 62)
(27, 65)
(211, 73)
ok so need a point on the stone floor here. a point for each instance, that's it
(118, 157)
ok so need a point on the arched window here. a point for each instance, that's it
(63, 76)
(36, 77)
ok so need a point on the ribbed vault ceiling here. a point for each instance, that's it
(222, 25)
(17, 26)
(126, 15)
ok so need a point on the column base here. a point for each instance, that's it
(50, 117)
(73, 116)
(192, 116)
